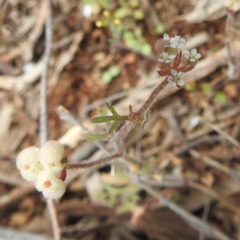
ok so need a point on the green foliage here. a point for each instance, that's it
(136, 41)
(95, 137)
(104, 3)
(220, 97)
(122, 12)
(206, 87)
(117, 31)
(159, 28)
(118, 120)
(123, 198)
(110, 74)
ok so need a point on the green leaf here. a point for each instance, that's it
(111, 109)
(220, 97)
(128, 36)
(122, 12)
(133, 3)
(95, 137)
(111, 73)
(138, 14)
(138, 33)
(114, 71)
(206, 87)
(102, 119)
(132, 43)
(114, 126)
(104, 3)
(159, 28)
(106, 77)
(146, 49)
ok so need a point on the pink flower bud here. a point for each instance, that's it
(160, 46)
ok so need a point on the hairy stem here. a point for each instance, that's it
(93, 163)
(152, 97)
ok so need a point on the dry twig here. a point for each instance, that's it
(43, 109)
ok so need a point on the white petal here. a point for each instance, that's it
(198, 55)
(165, 37)
(180, 74)
(173, 45)
(170, 78)
(193, 51)
(172, 84)
(173, 72)
(180, 83)
(171, 57)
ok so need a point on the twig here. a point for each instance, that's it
(196, 223)
(209, 161)
(43, 109)
(224, 134)
(15, 194)
(93, 163)
(215, 195)
(204, 218)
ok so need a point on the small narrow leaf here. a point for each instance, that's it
(102, 119)
(111, 108)
(95, 137)
(114, 126)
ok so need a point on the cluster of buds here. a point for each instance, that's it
(174, 59)
(45, 167)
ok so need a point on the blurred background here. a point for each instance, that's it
(103, 51)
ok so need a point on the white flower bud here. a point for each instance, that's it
(27, 156)
(28, 163)
(51, 186)
(51, 156)
(56, 190)
(43, 177)
(30, 172)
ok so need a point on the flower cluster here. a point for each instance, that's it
(45, 167)
(174, 59)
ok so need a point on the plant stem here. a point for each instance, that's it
(93, 163)
(145, 107)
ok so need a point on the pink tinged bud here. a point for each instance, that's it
(160, 46)
(132, 115)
